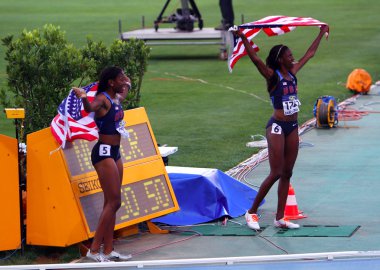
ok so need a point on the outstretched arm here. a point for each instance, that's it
(262, 68)
(311, 51)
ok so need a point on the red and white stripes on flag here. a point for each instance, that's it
(272, 26)
(72, 121)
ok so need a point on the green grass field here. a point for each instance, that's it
(193, 102)
(210, 122)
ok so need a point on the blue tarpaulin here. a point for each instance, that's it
(206, 194)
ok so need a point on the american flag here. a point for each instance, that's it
(72, 121)
(272, 26)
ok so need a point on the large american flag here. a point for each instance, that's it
(272, 26)
(72, 121)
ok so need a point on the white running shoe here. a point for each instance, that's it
(97, 257)
(116, 256)
(284, 223)
(252, 221)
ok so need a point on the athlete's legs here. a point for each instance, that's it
(276, 161)
(109, 179)
(120, 169)
(290, 156)
(109, 235)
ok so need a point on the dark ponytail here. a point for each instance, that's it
(109, 73)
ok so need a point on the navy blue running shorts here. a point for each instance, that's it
(102, 151)
(279, 127)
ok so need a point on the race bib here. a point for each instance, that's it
(290, 104)
(104, 150)
(276, 129)
(120, 127)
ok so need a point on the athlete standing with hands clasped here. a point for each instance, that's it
(282, 129)
(105, 156)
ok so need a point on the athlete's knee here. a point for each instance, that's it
(283, 174)
(275, 175)
(287, 174)
(115, 203)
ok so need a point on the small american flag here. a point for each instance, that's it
(272, 26)
(72, 121)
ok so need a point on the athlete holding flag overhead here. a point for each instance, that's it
(279, 72)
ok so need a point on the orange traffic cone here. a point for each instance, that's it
(291, 208)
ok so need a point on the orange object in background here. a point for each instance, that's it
(64, 198)
(291, 207)
(359, 80)
(10, 232)
(53, 217)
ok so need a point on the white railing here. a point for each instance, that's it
(330, 256)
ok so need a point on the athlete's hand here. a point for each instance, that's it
(79, 92)
(325, 29)
(237, 32)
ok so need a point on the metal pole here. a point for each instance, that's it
(120, 31)
(22, 186)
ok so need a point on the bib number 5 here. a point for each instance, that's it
(104, 150)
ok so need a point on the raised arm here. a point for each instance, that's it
(311, 51)
(262, 68)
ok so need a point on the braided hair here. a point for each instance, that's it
(272, 62)
(109, 73)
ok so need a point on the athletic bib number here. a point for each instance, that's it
(276, 129)
(290, 104)
(104, 150)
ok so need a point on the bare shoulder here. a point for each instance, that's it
(101, 100)
(100, 97)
